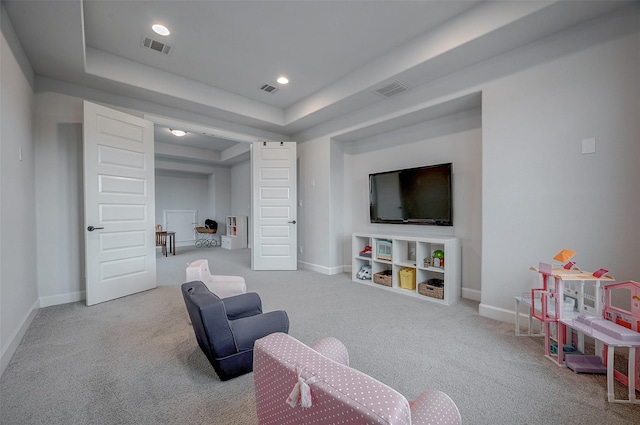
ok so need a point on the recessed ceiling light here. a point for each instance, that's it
(160, 29)
(283, 80)
(178, 133)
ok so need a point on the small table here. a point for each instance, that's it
(611, 342)
(527, 303)
(171, 239)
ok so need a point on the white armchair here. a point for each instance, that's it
(222, 286)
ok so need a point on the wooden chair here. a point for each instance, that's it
(161, 240)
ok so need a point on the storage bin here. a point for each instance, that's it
(433, 288)
(408, 278)
(384, 277)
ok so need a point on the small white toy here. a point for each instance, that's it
(365, 272)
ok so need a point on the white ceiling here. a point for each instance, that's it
(222, 52)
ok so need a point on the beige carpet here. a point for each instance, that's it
(135, 360)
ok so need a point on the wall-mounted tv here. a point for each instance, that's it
(420, 195)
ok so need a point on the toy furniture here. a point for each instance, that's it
(612, 336)
(629, 314)
(161, 240)
(222, 286)
(236, 237)
(297, 384)
(206, 234)
(581, 290)
(384, 250)
(625, 311)
(396, 253)
(226, 329)
(618, 326)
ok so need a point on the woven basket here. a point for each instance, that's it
(424, 288)
(205, 230)
(383, 278)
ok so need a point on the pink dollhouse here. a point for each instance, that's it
(627, 315)
(616, 327)
(622, 307)
(571, 304)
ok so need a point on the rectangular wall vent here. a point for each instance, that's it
(393, 88)
(156, 45)
(268, 88)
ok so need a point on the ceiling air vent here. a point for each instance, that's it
(156, 45)
(391, 89)
(268, 88)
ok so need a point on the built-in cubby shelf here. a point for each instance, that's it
(395, 253)
(236, 237)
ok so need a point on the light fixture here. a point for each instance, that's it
(177, 133)
(160, 29)
(283, 80)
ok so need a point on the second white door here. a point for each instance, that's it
(274, 198)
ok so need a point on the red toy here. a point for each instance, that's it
(366, 252)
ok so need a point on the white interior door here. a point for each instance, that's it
(119, 196)
(274, 193)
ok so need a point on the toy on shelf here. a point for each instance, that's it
(366, 252)
(438, 258)
(384, 250)
(365, 272)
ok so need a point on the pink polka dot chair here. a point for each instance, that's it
(296, 384)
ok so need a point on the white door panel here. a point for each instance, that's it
(119, 204)
(274, 206)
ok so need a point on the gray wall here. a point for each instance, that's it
(18, 226)
(539, 194)
(241, 189)
(182, 192)
(241, 193)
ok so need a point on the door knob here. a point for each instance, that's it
(91, 228)
(292, 222)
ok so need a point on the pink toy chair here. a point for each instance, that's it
(297, 384)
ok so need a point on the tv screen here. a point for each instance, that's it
(420, 195)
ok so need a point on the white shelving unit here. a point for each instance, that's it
(409, 251)
(236, 237)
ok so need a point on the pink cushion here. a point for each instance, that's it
(339, 394)
(434, 407)
(332, 348)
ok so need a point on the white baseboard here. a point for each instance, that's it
(471, 294)
(71, 297)
(322, 269)
(497, 313)
(16, 337)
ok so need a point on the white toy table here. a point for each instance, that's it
(526, 302)
(612, 335)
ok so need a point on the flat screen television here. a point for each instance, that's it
(420, 195)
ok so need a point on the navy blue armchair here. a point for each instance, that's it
(226, 329)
